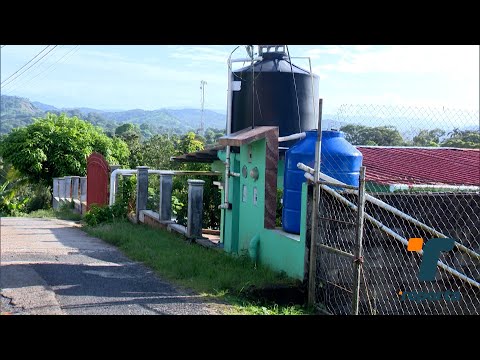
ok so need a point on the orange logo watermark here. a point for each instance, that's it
(428, 268)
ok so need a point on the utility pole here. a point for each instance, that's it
(202, 102)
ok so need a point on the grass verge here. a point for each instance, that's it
(63, 213)
(209, 272)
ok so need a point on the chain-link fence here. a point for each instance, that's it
(422, 181)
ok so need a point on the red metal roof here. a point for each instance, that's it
(410, 165)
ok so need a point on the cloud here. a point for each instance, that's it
(325, 50)
(134, 70)
(452, 61)
(199, 54)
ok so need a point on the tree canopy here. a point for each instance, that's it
(365, 135)
(56, 146)
(428, 137)
(463, 139)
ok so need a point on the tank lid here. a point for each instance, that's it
(271, 49)
(332, 133)
(274, 55)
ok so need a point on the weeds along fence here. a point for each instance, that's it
(426, 192)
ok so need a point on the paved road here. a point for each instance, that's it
(52, 267)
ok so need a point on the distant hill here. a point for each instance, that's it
(211, 118)
(42, 106)
(17, 112)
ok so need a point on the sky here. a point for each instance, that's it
(122, 77)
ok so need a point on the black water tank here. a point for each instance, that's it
(274, 102)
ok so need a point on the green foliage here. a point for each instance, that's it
(131, 135)
(176, 205)
(428, 137)
(104, 214)
(252, 308)
(128, 129)
(365, 135)
(126, 194)
(14, 194)
(190, 143)
(211, 196)
(124, 204)
(64, 213)
(463, 139)
(10, 204)
(40, 198)
(58, 146)
(158, 150)
(212, 136)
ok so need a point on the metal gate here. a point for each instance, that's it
(97, 180)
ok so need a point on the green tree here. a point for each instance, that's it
(131, 134)
(428, 137)
(158, 150)
(56, 146)
(128, 129)
(366, 135)
(211, 195)
(463, 139)
(212, 135)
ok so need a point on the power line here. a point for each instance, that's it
(38, 66)
(30, 68)
(45, 48)
(49, 51)
(72, 52)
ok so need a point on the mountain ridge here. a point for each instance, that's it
(17, 111)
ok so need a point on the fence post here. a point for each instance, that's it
(75, 187)
(165, 206)
(55, 193)
(312, 273)
(61, 190)
(83, 194)
(83, 189)
(142, 190)
(358, 251)
(68, 188)
(195, 208)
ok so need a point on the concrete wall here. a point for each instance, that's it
(70, 189)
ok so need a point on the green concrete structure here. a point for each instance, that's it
(242, 228)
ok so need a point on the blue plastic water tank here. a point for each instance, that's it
(339, 159)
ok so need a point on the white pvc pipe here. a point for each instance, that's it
(292, 137)
(113, 189)
(229, 129)
(258, 58)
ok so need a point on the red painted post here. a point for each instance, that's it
(97, 180)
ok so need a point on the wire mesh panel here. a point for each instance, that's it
(336, 239)
(423, 181)
(392, 272)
